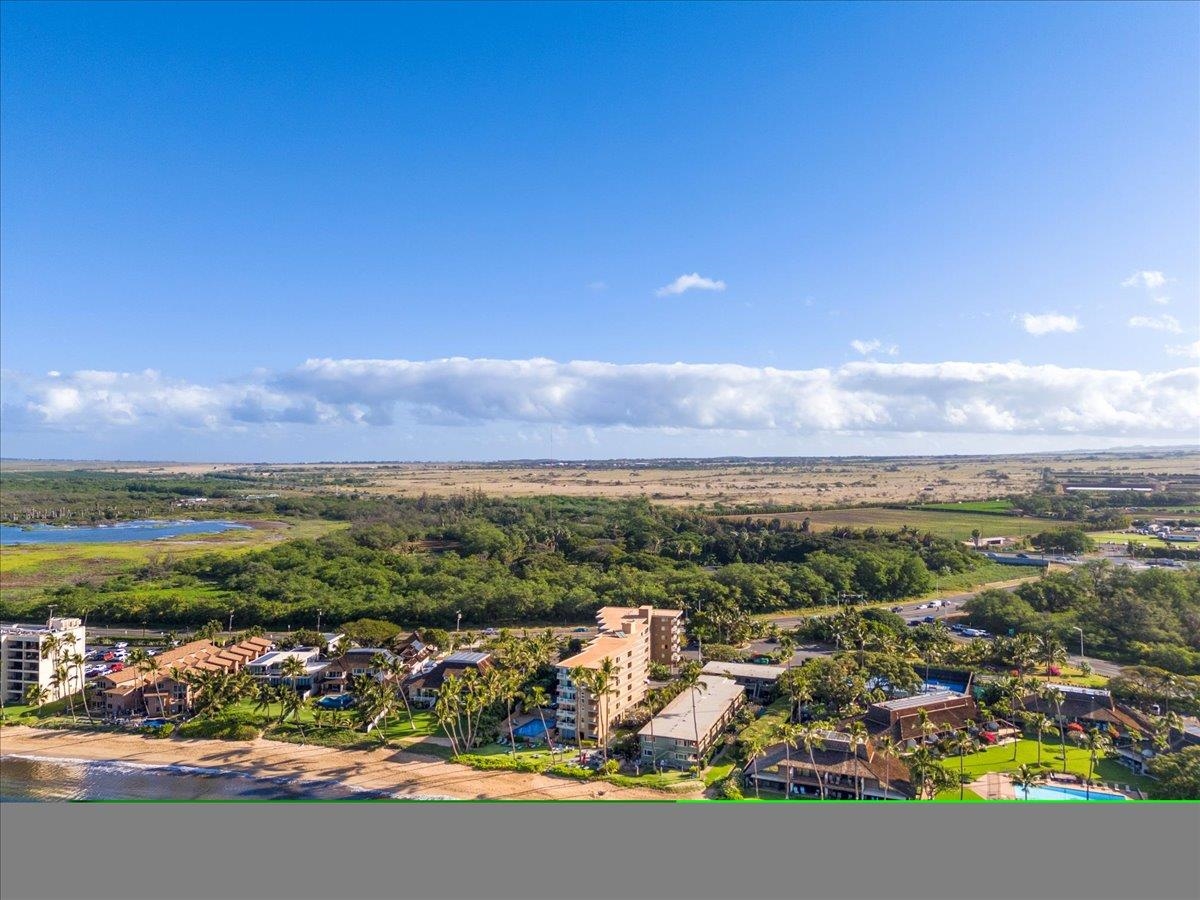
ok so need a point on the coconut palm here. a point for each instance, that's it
(603, 686)
(149, 667)
(811, 737)
(1025, 777)
(293, 669)
(691, 680)
(1096, 742)
(890, 748)
(60, 682)
(36, 695)
(1051, 650)
(1056, 697)
(789, 734)
(537, 698)
(755, 744)
(858, 735)
(581, 678)
(76, 661)
(962, 743)
(1040, 723)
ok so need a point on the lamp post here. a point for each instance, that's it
(51, 616)
(1082, 658)
(457, 621)
(318, 621)
(231, 624)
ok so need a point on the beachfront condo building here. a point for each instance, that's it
(628, 639)
(30, 655)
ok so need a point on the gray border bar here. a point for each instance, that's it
(166, 851)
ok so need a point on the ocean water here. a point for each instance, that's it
(33, 778)
(140, 530)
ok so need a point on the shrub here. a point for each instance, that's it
(565, 770)
(219, 728)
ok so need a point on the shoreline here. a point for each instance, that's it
(383, 772)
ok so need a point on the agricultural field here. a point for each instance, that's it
(953, 525)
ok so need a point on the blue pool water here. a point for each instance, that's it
(140, 530)
(1066, 793)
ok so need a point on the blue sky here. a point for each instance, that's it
(252, 232)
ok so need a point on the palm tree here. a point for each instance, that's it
(537, 698)
(1041, 724)
(691, 680)
(149, 667)
(925, 768)
(890, 747)
(264, 696)
(1025, 778)
(755, 744)
(75, 660)
(293, 670)
(602, 686)
(789, 734)
(36, 695)
(394, 670)
(1051, 650)
(1056, 697)
(60, 680)
(858, 735)
(1096, 742)
(810, 737)
(962, 744)
(581, 678)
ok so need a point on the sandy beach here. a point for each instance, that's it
(386, 770)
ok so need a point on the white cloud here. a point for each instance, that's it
(866, 348)
(1191, 350)
(694, 281)
(1046, 323)
(864, 397)
(1162, 301)
(1146, 279)
(597, 286)
(1160, 323)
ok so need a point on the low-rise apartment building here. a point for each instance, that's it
(422, 689)
(669, 739)
(903, 719)
(165, 690)
(838, 766)
(25, 662)
(759, 681)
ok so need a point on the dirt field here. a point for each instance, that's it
(794, 482)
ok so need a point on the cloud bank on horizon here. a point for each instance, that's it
(863, 397)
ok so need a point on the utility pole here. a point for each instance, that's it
(1082, 658)
(231, 624)
(318, 621)
(457, 621)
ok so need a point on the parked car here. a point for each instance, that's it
(929, 619)
(897, 608)
(117, 667)
(582, 630)
(913, 623)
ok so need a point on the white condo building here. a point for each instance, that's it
(23, 662)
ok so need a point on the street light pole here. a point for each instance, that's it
(231, 624)
(318, 621)
(457, 621)
(1082, 658)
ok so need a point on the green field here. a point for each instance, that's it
(992, 507)
(1000, 759)
(954, 525)
(1123, 538)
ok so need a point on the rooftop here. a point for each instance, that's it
(466, 658)
(919, 700)
(595, 653)
(1080, 691)
(742, 670)
(277, 657)
(712, 700)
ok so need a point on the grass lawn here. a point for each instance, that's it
(950, 795)
(716, 773)
(1072, 675)
(987, 573)
(776, 714)
(1000, 759)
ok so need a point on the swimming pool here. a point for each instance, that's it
(1066, 793)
